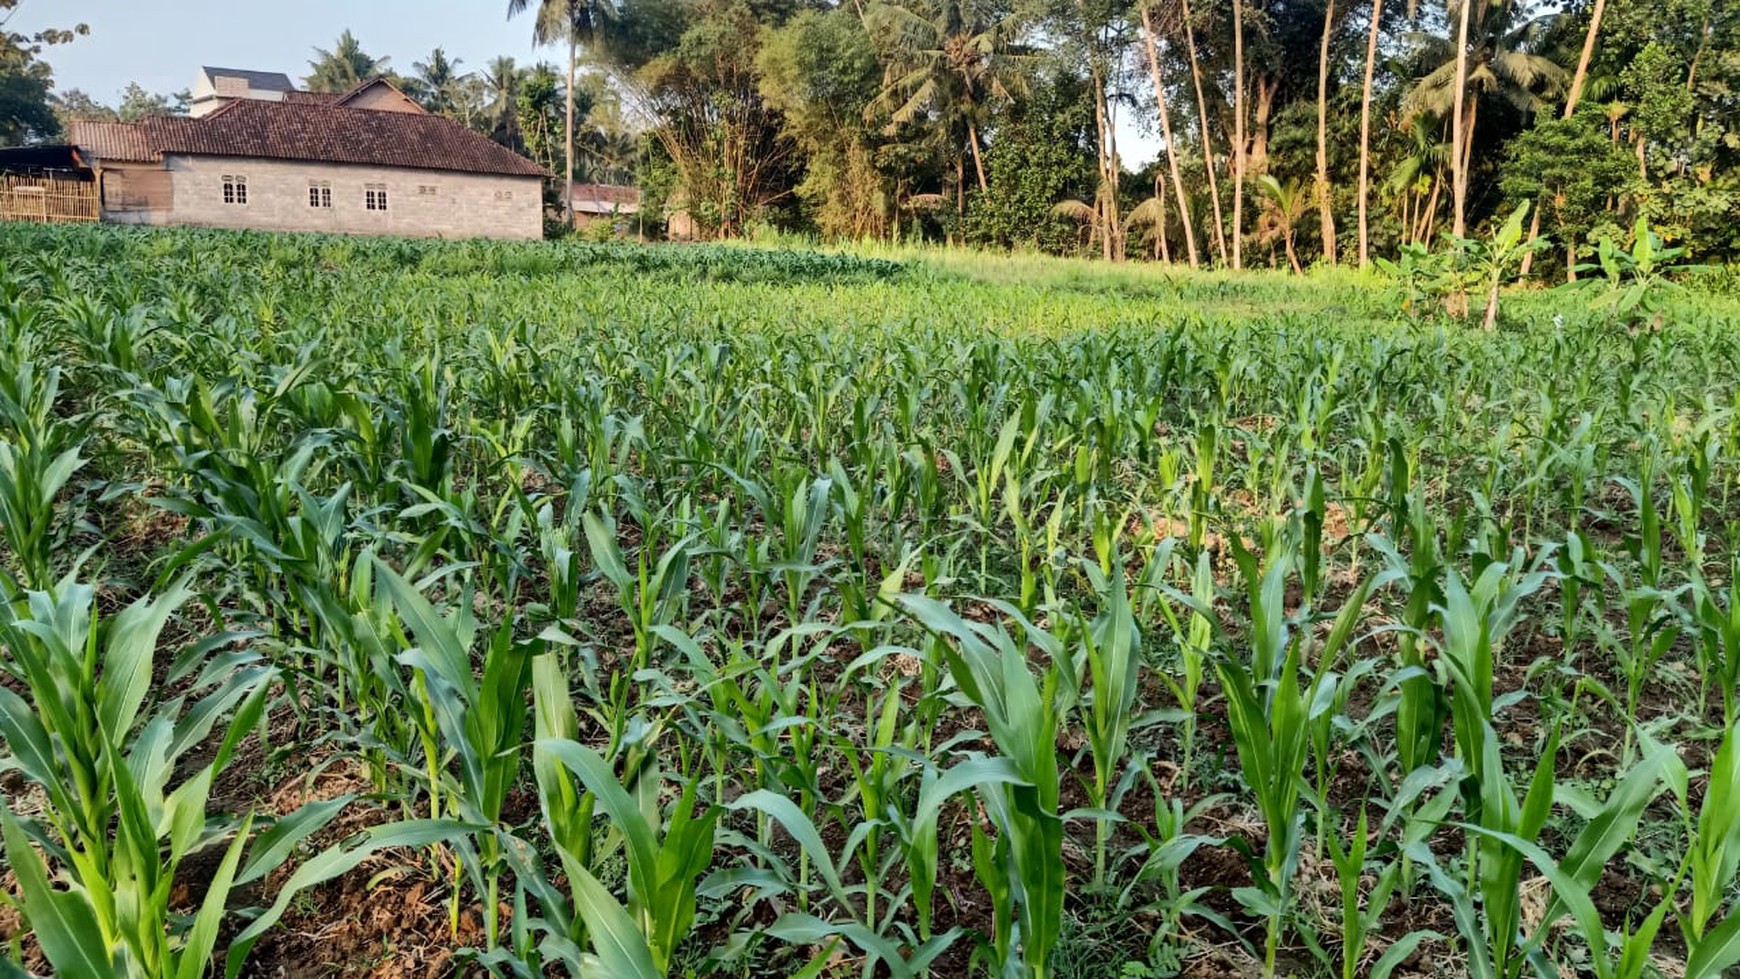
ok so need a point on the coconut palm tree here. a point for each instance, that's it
(579, 23)
(1283, 206)
(344, 67)
(1151, 214)
(501, 82)
(1493, 54)
(438, 83)
(1417, 182)
(951, 58)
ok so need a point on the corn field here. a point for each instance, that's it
(417, 608)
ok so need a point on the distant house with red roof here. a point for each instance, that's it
(257, 153)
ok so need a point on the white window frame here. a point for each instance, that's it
(320, 194)
(375, 197)
(235, 189)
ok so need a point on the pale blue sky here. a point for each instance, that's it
(161, 43)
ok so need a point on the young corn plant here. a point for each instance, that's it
(1111, 645)
(1714, 857)
(1192, 635)
(1359, 923)
(1023, 866)
(475, 721)
(1269, 703)
(666, 856)
(39, 454)
(126, 790)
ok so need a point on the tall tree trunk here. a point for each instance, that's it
(1202, 120)
(568, 131)
(1238, 230)
(1432, 207)
(1458, 126)
(960, 184)
(1166, 133)
(1371, 43)
(1576, 93)
(1582, 75)
(1165, 249)
(1260, 97)
(1325, 208)
(1106, 203)
(978, 162)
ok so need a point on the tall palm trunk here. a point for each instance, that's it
(568, 132)
(1106, 203)
(1459, 136)
(978, 161)
(1371, 43)
(1571, 98)
(1160, 243)
(1325, 209)
(1238, 231)
(1202, 119)
(1431, 217)
(1166, 133)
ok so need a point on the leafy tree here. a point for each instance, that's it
(728, 146)
(137, 103)
(818, 71)
(539, 114)
(26, 112)
(950, 60)
(1573, 170)
(1042, 155)
(76, 105)
(344, 67)
(500, 115)
(1494, 52)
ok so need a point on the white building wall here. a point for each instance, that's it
(420, 203)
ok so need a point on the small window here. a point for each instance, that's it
(320, 194)
(375, 197)
(235, 189)
(426, 190)
(504, 195)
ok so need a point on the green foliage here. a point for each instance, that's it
(1036, 161)
(1635, 284)
(1015, 617)
(1572, 169)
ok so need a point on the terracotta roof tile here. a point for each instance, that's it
(313, 98)
(310, 132)
(121, 141)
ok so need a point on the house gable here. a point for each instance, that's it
(379, 95)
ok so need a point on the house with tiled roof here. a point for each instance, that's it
(260, 154)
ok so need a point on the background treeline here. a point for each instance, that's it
(1291, 131)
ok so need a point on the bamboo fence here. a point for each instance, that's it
(47, 198)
